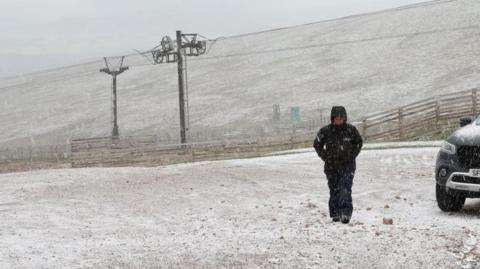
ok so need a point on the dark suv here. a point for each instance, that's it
(458, 166)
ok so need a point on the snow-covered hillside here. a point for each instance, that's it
(368, 63)
(257, 213)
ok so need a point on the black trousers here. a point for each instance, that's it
(340, 182)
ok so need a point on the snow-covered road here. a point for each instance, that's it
(255, 213)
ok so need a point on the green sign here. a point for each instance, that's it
(295, 114)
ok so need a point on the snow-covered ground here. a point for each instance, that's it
(368, 63)
(256, 213)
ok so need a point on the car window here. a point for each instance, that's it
(477, 122)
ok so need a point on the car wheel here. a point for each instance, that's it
(447, 201)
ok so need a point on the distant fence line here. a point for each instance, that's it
(34, 157)
(421, 117)
(35, 153)
(224, 144)
(60, 156)
(426, 116)
(146, 152)
(402, 123)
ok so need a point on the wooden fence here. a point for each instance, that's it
(425, 116)
(132, 151)
(34, 157)
(45, 153)
(402, 123)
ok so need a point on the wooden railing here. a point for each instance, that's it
(402, 123)
(419, 118)
(34, 157)
(146, 151)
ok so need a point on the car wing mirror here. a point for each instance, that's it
(465, 121)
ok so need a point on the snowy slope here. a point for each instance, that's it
(368, 63)
(256, 213)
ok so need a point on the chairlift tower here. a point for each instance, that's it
(114, 71)
(177, 52)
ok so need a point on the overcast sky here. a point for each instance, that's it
(37, 35)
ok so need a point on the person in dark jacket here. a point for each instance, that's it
(338, 145)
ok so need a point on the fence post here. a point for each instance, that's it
(437, 112)
(72, 150)
(474, 102)
(400, 123)
(364, 128)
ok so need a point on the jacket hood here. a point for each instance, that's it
(338, 111)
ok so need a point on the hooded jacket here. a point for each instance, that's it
(338, 146)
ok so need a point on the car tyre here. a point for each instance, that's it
(447, 201)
